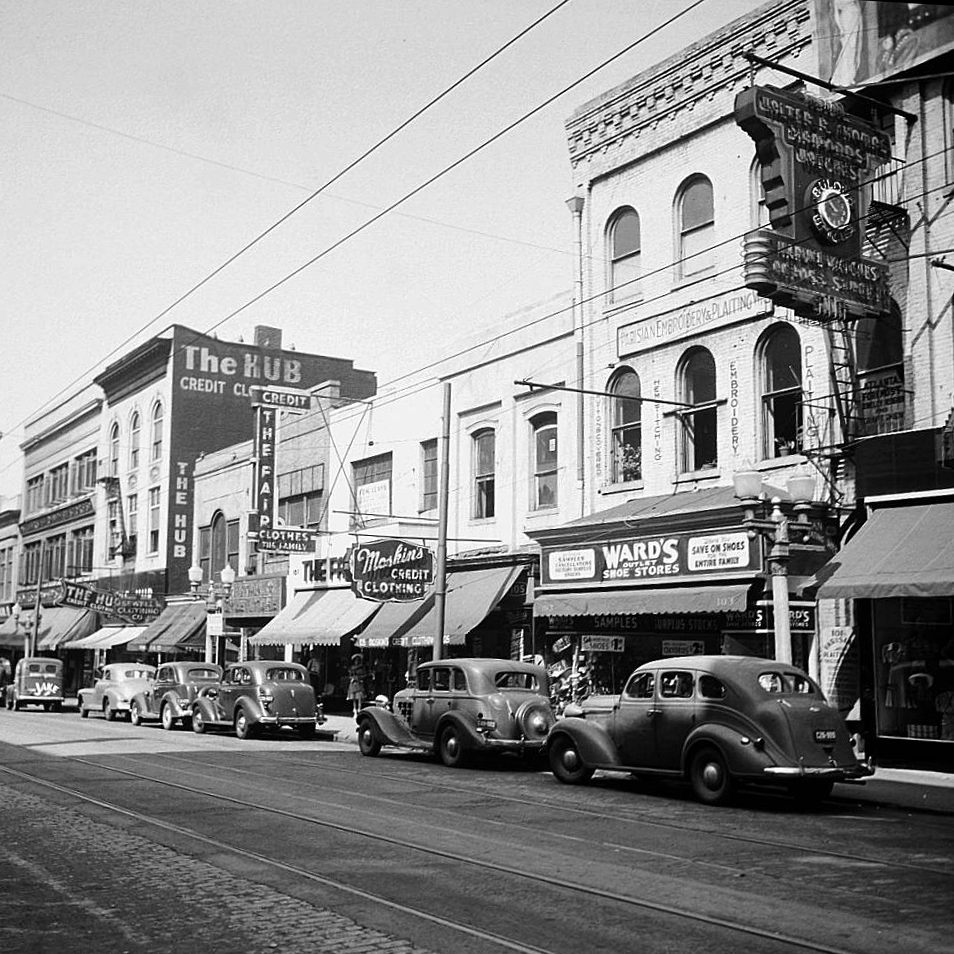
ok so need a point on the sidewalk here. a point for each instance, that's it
(914, 789)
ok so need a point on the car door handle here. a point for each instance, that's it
(430, 702)
(652, 713)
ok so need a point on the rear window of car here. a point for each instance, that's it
(787, 683)
(513, 679)
(284, 675)
(201, 674)
(711, 688)
(33, 667)
(136, 674)
(49, 667)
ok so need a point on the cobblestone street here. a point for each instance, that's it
(70, 884)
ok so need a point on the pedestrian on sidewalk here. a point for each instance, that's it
(357, 682)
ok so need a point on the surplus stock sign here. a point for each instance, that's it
(672, 557)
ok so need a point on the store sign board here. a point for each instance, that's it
(286, 539)
(56, 518)
(670, 558)
(255, 596)
(391, 571)
(285, 399)
(591, 643)
(760, 618)
(132, 609)
(683, 647)
(265, 499)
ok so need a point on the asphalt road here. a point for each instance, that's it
(115, 838)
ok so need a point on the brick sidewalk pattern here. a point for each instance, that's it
(73, 885)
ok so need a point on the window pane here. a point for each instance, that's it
(784, 360)
(627, 386)
(697, 205)
(700, 378)
(626, 235)
(546, 447)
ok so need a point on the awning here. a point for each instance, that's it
(392, 621)
(676, 599)
(58, 624)
(900, 551)
(105, 638)
(340, 613)
(471, 595)
(176, 623)
(300, 623)
(12, 633)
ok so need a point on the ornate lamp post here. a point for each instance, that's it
(801, 488)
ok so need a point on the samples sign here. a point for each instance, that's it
(815, 160)
(391, 571)
(678, 556)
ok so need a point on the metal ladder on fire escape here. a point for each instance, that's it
(843, 371)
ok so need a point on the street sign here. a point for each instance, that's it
(285, 399)
(287, 539)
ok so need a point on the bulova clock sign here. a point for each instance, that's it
(815, 161)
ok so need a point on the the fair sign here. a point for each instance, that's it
(670, 557)
(389, 571)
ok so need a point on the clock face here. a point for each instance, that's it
(832, 211)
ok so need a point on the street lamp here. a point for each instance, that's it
(195, 580)
(16, 611)
(801, 488)
(227, 575)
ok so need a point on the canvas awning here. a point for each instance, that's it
(176, 623)
(341, 614)
(105, 638)
(392, 621)
(900, 551)
(302, 622)
(471, 595)
(676, 599)
(58, 624)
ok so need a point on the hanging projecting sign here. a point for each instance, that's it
(131, 609)
(287, 539)
(389, 571)
(264, 489)
(815, 160)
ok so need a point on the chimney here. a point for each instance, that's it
(268, 338)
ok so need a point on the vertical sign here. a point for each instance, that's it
(264, 491)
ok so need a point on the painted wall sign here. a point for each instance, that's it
(74, 511)
(688, 320)
(649, 559)
(255, 596)
(389, 571)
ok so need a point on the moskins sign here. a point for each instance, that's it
(815, 160)
(389, 571)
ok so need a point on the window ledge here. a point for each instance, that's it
(613, 308)
(621, 487)
(681, 281)
(543, 512)
(694, 475)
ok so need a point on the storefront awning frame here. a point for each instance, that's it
(724, 598)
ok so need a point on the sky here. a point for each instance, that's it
(146, 142)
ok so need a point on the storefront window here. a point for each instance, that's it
(914, 667)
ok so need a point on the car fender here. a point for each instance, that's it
(252, 707)
(472, 738)
(173, 699)
(742, 757)
(388, 728)
(210, 710)
(144, 701)
(592, 741)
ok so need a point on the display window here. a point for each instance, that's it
(914, 667)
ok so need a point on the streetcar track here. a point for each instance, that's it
(626, 816)
(548, 880)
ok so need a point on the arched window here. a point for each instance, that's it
(624, 254)
(545, 460)
(219, 545)
(781, 384)
(879, 346)
(157, 414)
(485, 454)
(114, 450)
(697, 376)
(695, 218)
(758, 210)
(134, 435)
(626, 415)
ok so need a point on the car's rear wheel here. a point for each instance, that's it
(198, 722)
(83, 711)
(166, 718)
(709, 776)
(566, 763)
(109, 713)
(368, 742)
(244, 729)
(450, 747)
(812, 791)
(14, 703)
(135, 714)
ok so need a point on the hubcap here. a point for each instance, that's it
(712, 776)
(450, 744)
(571, 760)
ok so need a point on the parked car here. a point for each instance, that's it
(169, 699)
(114, 689)
(37, 681)
(258, 694)
(458, 707)
(717, 721)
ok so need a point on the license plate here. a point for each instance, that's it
(824, 735)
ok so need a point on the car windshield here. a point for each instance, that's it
(787, 683)
(284, 675)
(514, 679)
(202, 674)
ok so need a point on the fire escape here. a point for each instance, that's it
(119, 541)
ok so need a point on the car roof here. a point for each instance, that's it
(482, 664)
(718, 664)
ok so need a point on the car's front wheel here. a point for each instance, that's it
(709, 776)
(14, 703)
(198, 721)
(166, 718)
(109, 713)
(83, 711)
(244, 729)
(451, 749)
(566, 763)
(135, 714)
(367, 740)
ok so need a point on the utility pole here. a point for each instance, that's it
(440, 584)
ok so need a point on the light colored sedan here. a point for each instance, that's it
(112, 692)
